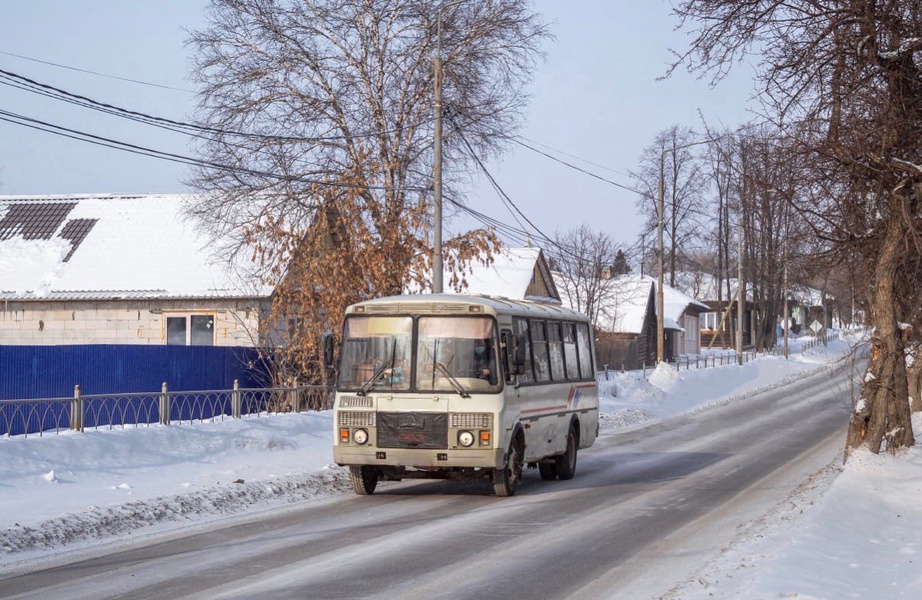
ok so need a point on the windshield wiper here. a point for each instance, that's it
(379, 374)
(387, 366)
(451, 379)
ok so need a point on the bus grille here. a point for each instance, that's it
(413, 430)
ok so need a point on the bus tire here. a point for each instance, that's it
(506, 480)
(548, 470)
(364, 480)
(566, 463)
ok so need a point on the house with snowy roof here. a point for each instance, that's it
(627, 322)
(518, 273)
(118, 269)
(719, 322)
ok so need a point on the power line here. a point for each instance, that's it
(587, 161)
(31, 85)
(572, 166)
(54, 64)
(136, 149)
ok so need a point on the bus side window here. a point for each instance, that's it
(539, 350)
(569, 351)
(520, 326)
(586, 368)
(555, 349)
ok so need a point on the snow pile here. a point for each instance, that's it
(849, 532)
(31, 265)
(664, 377)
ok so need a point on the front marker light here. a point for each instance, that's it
(466, 438)
(344, 435)
(360, 436)
(484, 438)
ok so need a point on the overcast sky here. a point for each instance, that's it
(596, 98)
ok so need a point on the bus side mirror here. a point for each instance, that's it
(326, 341)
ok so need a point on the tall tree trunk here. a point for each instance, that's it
(882, 413)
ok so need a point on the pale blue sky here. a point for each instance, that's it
(595, 97)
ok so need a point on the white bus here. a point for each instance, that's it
(462, 387)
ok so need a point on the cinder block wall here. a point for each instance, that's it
(121, 321)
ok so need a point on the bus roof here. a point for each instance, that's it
(451, 303)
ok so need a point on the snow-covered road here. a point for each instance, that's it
(649, 507)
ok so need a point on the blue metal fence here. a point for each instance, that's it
(28, 372)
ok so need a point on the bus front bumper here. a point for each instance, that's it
(487, 458)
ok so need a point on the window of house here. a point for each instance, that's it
(190, 330)
(709, 320)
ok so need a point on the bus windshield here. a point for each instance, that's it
(452, 354)
(376, 353)
(455, 351)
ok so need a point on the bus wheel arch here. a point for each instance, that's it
(507, 478)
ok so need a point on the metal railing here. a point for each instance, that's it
(707, 361)
(94, 411)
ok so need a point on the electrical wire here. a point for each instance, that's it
(37, 87)
(54, 64)
(133, 148)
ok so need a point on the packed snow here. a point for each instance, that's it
(849, 531)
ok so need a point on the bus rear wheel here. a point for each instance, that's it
(548, 470)
(506, 480)
(364, 480)
(565, 464)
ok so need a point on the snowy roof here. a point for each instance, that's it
(704, 287)
(624, 307)
(108, 246)
(509, 275)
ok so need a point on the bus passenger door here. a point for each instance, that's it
(513, 358)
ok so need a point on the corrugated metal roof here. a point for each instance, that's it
(97, 247)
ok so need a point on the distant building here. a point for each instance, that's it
(626, 323)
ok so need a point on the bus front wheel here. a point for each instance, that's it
(364, 480)
(506, 480)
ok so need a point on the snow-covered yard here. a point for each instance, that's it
(850, 531)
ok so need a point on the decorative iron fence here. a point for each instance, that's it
(93, 411)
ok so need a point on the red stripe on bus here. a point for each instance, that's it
(531, 410)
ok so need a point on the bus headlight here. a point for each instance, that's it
(466, 438)
(359, 436)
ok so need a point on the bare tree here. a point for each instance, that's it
(322, 110)
(847, 71)
(584, 262)
(672, 159)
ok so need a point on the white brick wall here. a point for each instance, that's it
(144, 322)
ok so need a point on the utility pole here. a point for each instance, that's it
(785, 255)
(437, 155)
(740, 292)
(437, 184)
(660, 208)
(661, 223)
